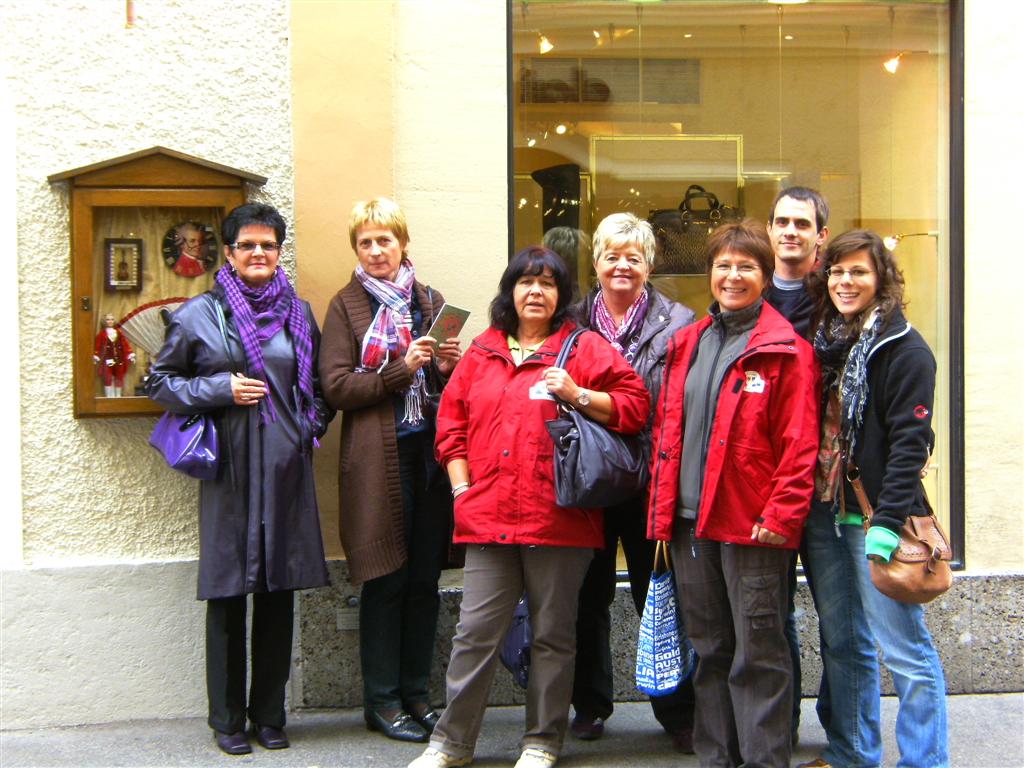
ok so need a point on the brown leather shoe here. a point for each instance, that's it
(815, 763)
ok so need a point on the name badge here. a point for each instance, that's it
(754, 383)
(539, 391)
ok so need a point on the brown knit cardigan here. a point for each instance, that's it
(369, 488)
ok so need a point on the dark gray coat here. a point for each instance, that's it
(259, 528)
(664, 318)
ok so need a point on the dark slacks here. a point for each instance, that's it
(593, 689)
(226, 659)
(398, 611)
(734, 600)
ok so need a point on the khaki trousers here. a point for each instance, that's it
(495, 578)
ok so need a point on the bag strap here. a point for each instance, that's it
(697, 192)
(661, 554)
(563, 358)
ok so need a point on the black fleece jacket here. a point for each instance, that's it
(896, 437)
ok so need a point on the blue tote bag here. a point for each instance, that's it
(664, 655)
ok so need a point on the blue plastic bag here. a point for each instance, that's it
(664, 655)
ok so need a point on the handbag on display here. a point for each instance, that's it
(594, 467)
(664, 655)
(681, 233)
(515, 649)
(188, 442)
(918, 571)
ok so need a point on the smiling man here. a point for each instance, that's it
(798, 228)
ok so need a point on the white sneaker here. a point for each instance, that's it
(535, 758)
(435, 758)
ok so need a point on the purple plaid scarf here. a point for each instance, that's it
(619, 336)
(390, 333)
(259, 313)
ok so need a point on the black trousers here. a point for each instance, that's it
(593, 688)
(226, 659)
(398, 611)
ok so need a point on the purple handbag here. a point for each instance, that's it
(188, 443)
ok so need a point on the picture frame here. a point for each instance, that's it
(123, 264)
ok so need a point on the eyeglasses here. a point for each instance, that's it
(724, 268)
(857, 273)
(246, 246)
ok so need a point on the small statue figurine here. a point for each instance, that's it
(112, 355)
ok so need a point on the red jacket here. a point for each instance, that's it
(488, 417)
(763, 444)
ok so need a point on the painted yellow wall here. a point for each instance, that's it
(342, 127)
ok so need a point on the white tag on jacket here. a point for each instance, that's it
(754, 383)
(539, 391)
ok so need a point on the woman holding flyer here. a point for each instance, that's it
(377, 365)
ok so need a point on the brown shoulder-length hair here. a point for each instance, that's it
(888, 296)
(748, 237)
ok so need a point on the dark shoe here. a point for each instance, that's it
(682, 739)
(270, 737)
(402, 728)
(587, 728)
(233, 743)
(428, 719)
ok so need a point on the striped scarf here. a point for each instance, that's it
(619, 336)
(259, 313)
(390, 333)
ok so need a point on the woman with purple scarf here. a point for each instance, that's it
(638, 321)
(246, 352)
(378, 367)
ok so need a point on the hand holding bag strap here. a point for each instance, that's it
(563, 358)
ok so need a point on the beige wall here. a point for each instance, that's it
(994, 312)
(386, 104)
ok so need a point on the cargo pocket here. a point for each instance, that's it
(760, 595)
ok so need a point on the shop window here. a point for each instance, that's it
(623, 106)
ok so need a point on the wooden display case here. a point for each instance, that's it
(144, 237)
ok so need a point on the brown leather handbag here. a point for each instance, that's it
(919, 569)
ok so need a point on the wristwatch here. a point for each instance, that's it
(583, 398)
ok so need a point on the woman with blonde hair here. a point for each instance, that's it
(377, 365)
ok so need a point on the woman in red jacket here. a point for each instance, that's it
(492, 438)
(735, 441)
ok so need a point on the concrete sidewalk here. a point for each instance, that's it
(985, 731)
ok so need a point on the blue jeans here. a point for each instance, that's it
(853, 616)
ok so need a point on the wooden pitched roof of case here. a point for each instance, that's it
(157, 167)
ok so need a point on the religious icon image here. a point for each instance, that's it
(112, 354)
(190, 249)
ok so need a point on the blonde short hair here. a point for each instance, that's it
(381, 211)
(624, 228)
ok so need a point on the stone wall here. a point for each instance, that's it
(976, 625)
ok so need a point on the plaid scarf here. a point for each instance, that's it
(259, 313)
(620, 336)
(844, 367)
(390, 333)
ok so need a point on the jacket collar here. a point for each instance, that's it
(494, 342)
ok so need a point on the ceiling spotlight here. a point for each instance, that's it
(688, 35)
(543, 44)
(597, 35)
(787, 37)
(560, 129)
(531, 143)
(891, 65)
